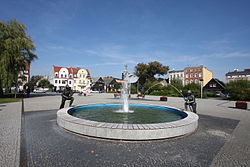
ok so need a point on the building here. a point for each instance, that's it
(214, 86)
(197, 74)
(97, 84)
(78, 79)
(24, 76)
(176, 75)
(82, 80)
(111, 84)
(238, 75)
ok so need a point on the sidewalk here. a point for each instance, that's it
(10, 131)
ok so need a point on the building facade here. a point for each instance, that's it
(176, 75)
(214, 86)
(238, 75)
(199, 74)
(24, 76)
(78, 79)
(97, 84)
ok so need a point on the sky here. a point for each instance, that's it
(104, 35)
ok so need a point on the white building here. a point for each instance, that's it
(176, 75)
(238, 75)
(61, 76)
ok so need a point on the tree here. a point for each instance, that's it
(238, 90)
(34, 81)
(15, 49)
(44, 83)
(194, 87)
(149, 71)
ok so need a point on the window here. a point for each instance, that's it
(63, 82)
(187, 82)
(187, 76)
(59, 81)
(56, 74)
(55, 81)
(61, 75)
(65, 76)
(74, 81)
(200, 75)
(69, 82)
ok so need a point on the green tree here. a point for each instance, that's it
(34, 81)
(194, 87)
(148, 72)
(239, 89)
(44, 83)
(15, 49)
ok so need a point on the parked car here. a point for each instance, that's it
(40, 90)
(94, 91)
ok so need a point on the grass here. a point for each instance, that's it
(9, 100)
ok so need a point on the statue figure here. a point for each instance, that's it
(190, 101)
(67, 95)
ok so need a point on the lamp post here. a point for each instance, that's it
(201, 86)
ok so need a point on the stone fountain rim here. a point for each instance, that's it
(128, 131)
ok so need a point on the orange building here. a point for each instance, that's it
(197, 75)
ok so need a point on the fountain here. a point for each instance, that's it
(127, 121)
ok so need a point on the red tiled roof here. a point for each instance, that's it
(57, 69)
(73, 70)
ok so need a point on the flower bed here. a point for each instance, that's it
(241, 104)
(163, 98)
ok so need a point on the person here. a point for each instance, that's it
(190, 101)
(67, 95)
(27, 91)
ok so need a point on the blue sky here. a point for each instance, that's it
(104, 35)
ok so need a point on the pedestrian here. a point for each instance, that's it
(190, 101)
(67, 95)
(27, 91)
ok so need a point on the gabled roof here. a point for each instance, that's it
(220, 82)
(95, 79)
(70, 69)
(217, 81)
(73, 70)
(57, 69)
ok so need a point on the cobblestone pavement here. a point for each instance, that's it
(233, 148)
(49, 145)
(10, 129)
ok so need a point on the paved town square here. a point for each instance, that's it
(35, 139)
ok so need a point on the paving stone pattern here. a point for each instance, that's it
(46, 144)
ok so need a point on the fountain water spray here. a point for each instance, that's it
(128, 79)
(125, 90)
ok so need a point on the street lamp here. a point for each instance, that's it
(201, 86)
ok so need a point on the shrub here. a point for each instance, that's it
(238, 90)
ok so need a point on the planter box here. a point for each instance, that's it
(241, 105)
(163, 98)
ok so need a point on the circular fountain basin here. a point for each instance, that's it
(145, 122)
